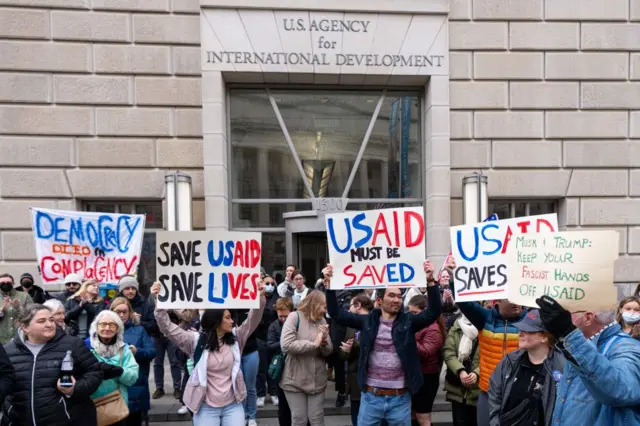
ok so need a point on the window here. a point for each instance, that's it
(153, 212)
(511, 209)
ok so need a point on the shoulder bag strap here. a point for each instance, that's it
(298, 322)
(121, 356)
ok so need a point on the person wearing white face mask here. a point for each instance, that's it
(628, 316)
(264, 384)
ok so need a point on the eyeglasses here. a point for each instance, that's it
(109, 325)
(70, 284)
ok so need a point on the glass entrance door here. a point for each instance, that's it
(313, 255)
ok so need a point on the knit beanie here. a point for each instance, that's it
(128, 281)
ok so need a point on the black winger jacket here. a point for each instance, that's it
(35, 400)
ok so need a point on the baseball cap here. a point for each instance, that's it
(531, 323)
(72, 278)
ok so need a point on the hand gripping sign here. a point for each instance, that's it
(377, 248)
(208, 270)
(480, 251)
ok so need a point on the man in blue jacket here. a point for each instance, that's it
(601, 381)
(389, 366)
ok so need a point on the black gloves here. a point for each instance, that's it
(556, 319)
(111, 371)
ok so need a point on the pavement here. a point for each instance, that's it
(164, 411)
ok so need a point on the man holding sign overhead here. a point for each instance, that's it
(389, 366)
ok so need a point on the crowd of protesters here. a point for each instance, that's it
(385, 350)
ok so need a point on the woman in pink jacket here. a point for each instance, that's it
(216, 388)
(429, 342)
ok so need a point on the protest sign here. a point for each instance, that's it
(575, 268)
(102, 246)
(377, 248)
(208, 270)
(480, 251)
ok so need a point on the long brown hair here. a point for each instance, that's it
(420, 302)
(635, 328)
(309, 307)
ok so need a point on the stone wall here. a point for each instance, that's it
(97, 99)
(545, 97)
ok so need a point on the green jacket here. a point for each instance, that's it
(459, 393)
(11, 313)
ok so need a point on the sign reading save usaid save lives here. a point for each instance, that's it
(377, 248)
(100, 246)
(208, 270)
(480, 252)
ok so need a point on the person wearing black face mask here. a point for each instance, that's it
(11, 301)
(37, 293)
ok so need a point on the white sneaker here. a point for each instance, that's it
(183, 410)
(252, 423)
(259, 403)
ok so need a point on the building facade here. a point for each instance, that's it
(283, 110)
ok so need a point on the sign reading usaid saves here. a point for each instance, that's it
(323, 42)
(100, 246)
(480, 252)
(377, 248)
(208, 270)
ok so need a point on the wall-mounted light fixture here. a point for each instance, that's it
(475, 198)
(179, 202)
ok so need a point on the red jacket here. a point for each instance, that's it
(429, 341)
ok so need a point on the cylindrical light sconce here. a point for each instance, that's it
(475, 198)
(179, 202)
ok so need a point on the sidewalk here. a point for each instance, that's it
(166, 408)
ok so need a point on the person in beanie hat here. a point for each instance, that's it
(71, 285)
(37, 293)
(129, 286)
(522, 388)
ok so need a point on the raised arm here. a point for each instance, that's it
(475, 313)
(433, 311)
(341, 316)
(183, 339)
(252, 322)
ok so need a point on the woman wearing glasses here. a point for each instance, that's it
(120, 369)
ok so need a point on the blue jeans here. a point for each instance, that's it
(396, 410)
(250, 363)
(162, 345)
(229, 415)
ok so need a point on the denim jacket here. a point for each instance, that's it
(600, 390)
(405, 326)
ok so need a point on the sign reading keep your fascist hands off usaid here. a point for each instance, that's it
(323, 42)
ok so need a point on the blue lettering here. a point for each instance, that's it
(406, 273)
(357, 224)
(391, 273)
(476, 244)
(40, 231)
(228, 259)
(93, 235)
(215, 261)
(131, 230)
(58, 230)
(107, 236)
(491, 240)
(76, 230)
(225, 285)
(332, 236)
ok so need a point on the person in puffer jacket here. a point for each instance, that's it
(36, 353)
(497, 337)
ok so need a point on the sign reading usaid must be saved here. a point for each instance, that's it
(323, 42)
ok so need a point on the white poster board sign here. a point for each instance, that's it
(575, 268)
(100, 246)
(480, 252)
(377, 248)
(208, 270)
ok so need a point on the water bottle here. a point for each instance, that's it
(66, 370)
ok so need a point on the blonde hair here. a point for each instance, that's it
(310, 305)
(123, 301)
(83, 289)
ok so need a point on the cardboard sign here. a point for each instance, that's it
(575, 268)
(208, 270)
(377, 248)
(101, 246)
(480, 251)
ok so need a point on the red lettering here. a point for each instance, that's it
(524, 226)
(543, 222)
(396, 228)
(255, 284)
(347, 272)
(419, 236)
(238, 255)
(256, 253)
(244, 293)
(507, 238)
(234, 283)
(381, 228)
(371, 272)
(44, 268)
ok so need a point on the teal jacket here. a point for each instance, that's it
(128, 378)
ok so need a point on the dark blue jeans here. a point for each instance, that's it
(162, 345)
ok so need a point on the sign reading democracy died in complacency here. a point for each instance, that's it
(377, 248)
(208, 270)
(101, 246)
(480, 252)
(575, 268)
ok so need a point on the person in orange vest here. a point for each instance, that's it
(496, 336)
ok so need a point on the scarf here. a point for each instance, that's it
(201, 358)
(106, 350)
(469, 334)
